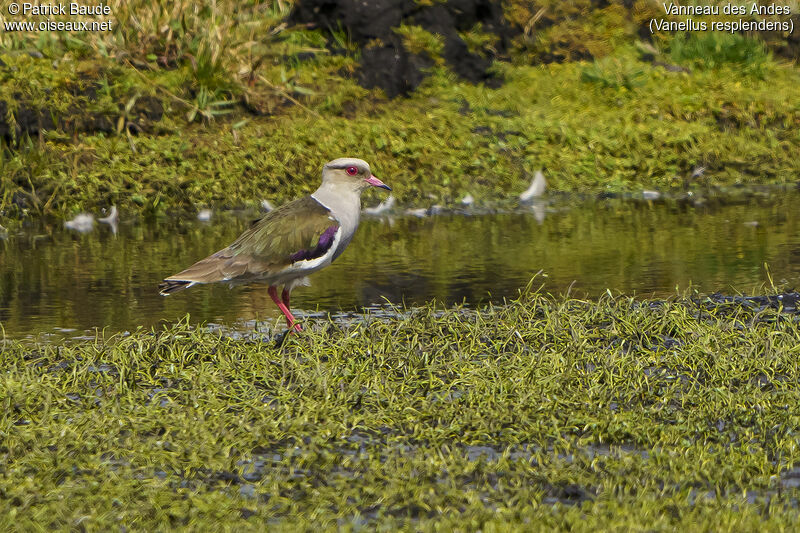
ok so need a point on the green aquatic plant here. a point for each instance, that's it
(590, 415)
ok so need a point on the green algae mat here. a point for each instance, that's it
(545, 412)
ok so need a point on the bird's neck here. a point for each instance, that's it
(338, 198)
(344, 203)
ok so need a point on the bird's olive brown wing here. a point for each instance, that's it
(301, 230)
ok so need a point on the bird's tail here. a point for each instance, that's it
(216, 267)
(168, 286)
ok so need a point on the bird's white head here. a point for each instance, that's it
(350, 173)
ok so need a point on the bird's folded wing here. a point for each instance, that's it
(301, 230)
(282, 235)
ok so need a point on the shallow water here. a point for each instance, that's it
(54, 281)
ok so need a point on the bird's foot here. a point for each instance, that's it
(294, 326)
(280, 338)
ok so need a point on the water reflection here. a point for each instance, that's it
(53, 278)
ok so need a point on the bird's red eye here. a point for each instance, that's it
(351, 170)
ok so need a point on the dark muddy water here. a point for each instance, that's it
(56, 282)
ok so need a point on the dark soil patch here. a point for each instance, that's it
(783, 44)
(32, 120)
(788, 302)
(386, 63)
(392, 68)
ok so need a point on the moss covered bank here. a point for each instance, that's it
(225, 106)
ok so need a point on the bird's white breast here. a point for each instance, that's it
(346, 209)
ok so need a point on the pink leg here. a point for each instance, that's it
(285, 298)
(273, 293)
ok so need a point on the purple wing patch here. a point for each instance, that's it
(324, 244)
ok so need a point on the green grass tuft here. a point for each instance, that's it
(614, 74)
(715, 49)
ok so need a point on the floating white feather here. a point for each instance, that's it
(383, 207)
(536, 189)
(82, 223)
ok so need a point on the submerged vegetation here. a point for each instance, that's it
(612, 415)
(225, 104)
